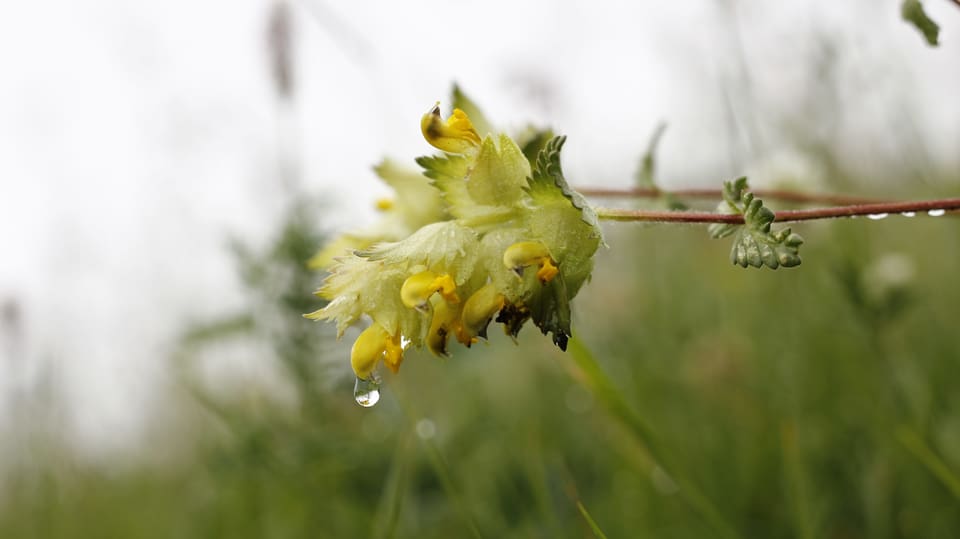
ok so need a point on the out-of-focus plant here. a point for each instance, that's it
(453, 250)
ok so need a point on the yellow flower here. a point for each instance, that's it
(528, 253)
(375, 344)
(456, 135)
(445, 322)
(479, 309)
(417, 289)
(500, 213)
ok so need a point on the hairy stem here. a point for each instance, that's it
(853, 210)
(784, 195)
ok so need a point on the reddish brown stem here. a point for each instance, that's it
(878, 208)
(770, 194)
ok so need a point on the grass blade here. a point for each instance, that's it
(924, 453)
(590, 374)
(597, 532)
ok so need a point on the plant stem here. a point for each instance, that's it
(853, 210)
(785, 195)
(592, 376)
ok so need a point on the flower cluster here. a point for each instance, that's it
(492, 231)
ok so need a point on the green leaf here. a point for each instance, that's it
(644, 177)
(532, 141)
(499, 175)
(912, 12)
(488, 188)
(732, 199)
(447, 247)
(449, 173)
(417, 202)
(463, 102)
(357, 285)
(550, 311)
(597, 532)
(547, 184)
(755, 244)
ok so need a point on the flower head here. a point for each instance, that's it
(511, 243)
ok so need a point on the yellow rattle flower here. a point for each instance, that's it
(456, 135)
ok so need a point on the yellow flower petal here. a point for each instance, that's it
(528, 253)
(440, 328)
(456, 135)
(479, 309)
(393, 353)
(417, 289)
(367, 350)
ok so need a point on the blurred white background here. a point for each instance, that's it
(137, 137)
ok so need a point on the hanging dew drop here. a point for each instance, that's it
(936, 213)
(909, 214)
(877, 216)
(367, 392)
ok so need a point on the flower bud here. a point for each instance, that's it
(479, 310)
(446, 320)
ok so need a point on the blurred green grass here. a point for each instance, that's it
(821, 401)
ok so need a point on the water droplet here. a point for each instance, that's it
(936, 213)
(877, 216)
(404, 342)
(426, 429)
(663, 482)
(367, 392)
(909, 213)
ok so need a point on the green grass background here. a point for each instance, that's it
(697, 399)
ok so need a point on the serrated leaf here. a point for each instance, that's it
(357, 285)
(531, 141)
(499, 174)
(547, 184)
(731, 204)
(755, 243)
(449, 173)
(445, 247)
(550, 311)
(340, 246)
(912, 12)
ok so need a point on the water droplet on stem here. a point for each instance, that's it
(909, 214)
(936, 213)
(877, 216)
